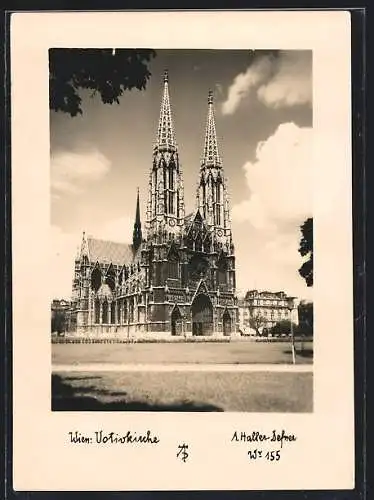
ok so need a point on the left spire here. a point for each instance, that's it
(137, 233)
(165, 134)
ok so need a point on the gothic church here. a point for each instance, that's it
(177, 278)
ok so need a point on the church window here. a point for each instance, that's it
(105, 312)
(113, 313)
(97, 311)
(171, 203)
(173, 271)
(96, 279)
(218, 215)
(198, 244)
(125, 312)
(222, 268)
(173, 263)
(131, 311)
(171, 178)
(218, 194)
(197, 267)
(110, 278)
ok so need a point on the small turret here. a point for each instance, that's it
(137, 233)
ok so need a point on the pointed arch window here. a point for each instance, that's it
(171, 176)
(105, 312)
(222, 270)
(97, 311)
(198, 244)
(96, 278)
(110, 278)
(113, 313)
(173, 263)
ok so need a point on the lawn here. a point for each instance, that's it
(181, 391)
(238, 352)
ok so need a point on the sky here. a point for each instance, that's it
(264, 114)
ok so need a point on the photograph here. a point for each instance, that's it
(181, 229)
(182, 251)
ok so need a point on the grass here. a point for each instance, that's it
(178, 391)
(238, 352)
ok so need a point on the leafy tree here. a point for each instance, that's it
(58, 321)
(108, 72)
(257, 322)
(306, 318)
(306, 250)
(284, 327)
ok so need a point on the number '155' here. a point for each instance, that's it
(273, 455)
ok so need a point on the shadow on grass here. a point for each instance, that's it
(68, 398)
(304, 353)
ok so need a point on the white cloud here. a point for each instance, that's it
(70, 172)
(291, 83)
(63, 248)
(279, 200)
(119, 230)
(282, 81)
(65, 245)
(244, 82)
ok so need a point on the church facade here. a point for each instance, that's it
(177, 278)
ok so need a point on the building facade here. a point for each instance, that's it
(261, 310)
(178, 275)
(60, 316)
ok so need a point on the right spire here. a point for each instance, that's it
(211, 157)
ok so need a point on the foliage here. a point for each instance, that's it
(257, 322)
(283, 327)
(306, 250)
(306, 318)
(108, 72)
(59, 321)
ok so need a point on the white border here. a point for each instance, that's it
(323, 456)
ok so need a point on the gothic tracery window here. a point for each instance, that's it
(222, 270)
(97, 311)
(105, 312)
(96, 279)
(110, 278)
(173, 263)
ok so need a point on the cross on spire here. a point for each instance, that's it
(211, 155)
(165, 134)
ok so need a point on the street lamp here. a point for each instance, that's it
(290, 306)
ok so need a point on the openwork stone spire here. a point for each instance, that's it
(165, 208)
(212, 197)
(211, 155)
(165, 133)
(137, 233)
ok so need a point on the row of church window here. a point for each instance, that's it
(105, 313)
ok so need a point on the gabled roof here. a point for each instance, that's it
(109, 251)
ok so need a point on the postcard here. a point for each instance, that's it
(182, 251)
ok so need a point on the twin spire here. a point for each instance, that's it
(211, 156)
(165, 135)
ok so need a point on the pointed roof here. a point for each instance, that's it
(137, 232)
(104, 251)
(201, 289)
(137, 212)
(165, 133)
(211, 155)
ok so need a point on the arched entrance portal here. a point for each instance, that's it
(202, 315)
(176, 321)
(226, 319)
